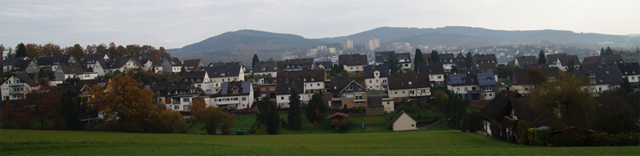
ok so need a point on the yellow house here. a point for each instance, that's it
(403, 122)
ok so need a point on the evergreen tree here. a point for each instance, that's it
(602, 51)
(316, 108)
(571, 66)
(542, 59)
(608, 51)
(393, 62)
(468, 61)
(294, 119)
(435, 57)
(21, 50)
(268, 115)
(253, 63)
(418, 58)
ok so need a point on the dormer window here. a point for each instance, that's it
(349, 88)
(410, 83)
(235, 91)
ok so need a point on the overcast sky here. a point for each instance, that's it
(174, 24)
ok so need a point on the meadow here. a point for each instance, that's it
(443, 142)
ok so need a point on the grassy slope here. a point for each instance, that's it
(36, 142)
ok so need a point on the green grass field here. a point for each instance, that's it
(38, 142)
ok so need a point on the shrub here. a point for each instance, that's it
(283, 123)
(539, 137)
(470, 122)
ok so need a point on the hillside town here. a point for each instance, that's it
(357, 82)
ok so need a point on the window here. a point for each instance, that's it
(413, 125)
(244, 98)
(358, 97)
(185, 100)
(318, 84)
(411, 92)
(377, 81)
(403, 92)
(388, 102)
(396, 92)
(176, 107)
(349, 88)
(282, 98)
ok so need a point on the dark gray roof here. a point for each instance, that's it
(21, 65)
(461, 79)
(383, 68)
(29, 79)
(485, 66)
(170, 88)
(602, 75)
(90, 59)
(430, 68)
(526, 61)
(382, 56)
(116, 63)
(446, 57)
(339, 83)
(300, 63)
(194, 76)
(265, 66)
(603, 59)
(228, 69)
(353, 59)
(553, 58)
(12, 61)
(325, 64)
(565, 60)
(193, 63)
(142, 61)
(498, 107)
(244, 88)
(174, 61)
(43, 61)
(71, 68)
(406, 81)
(485, 58)
(629, 68)
(283, 85)
(316, 75)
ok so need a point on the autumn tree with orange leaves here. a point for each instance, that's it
(212, 117)
(125, 102)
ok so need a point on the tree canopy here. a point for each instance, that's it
(468, 60)
(316, 108)
(21, 50)
(393, 62)
(294, 118)
(564, 102)
(268, 115)
(435, 57)
(542, 59)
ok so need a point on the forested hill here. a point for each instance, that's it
(247, 40)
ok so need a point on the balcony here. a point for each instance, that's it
(227, 102)
(336, 99)
(16, 92)
(359, 100)
(16, 85)
(420, 94)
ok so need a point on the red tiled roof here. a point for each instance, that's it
(336, 114)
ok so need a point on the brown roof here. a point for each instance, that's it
(478, 104)
(337, 114)
(194, 63)
(618, 103)
(353, 59)
(315, 75)
(407, 81)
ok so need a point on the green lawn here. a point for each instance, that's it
(506, 81)
(243, 122)
(38, 142)
(375, 123)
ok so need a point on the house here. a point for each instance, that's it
(28, 66)
(68, 71)
(486, 83)
(603, 60)
(506, 110)
(234, 95)
(175, 95)
(145, 63)
(47, 63)
(630, 72)
(564, 62)
(172, 65)
(484, 58)
(375, 76)
(521, 85)
(353, 62)
(121, 65)
(283, 91)
(435, 71)
(95, 63)
(86, 85)
(403, 122)
(18, 85)
(526, 61)
(299, 64)
(403, 58)
(326, 65)
(603, 79)
(388, 104)
(346, 92)
(225, 72)
(267, 90)
(193, 64)
(8, 63)
(266, 68)
(199, 78)
(464, 84)
(448, 61)
(407, 86)
(313, 79)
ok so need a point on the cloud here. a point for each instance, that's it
(173, 24)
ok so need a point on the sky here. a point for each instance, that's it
(174, 24)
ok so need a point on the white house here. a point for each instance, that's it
(17, 86)
(403, 122)
(353, 62)
(375, 77)
(233, 95)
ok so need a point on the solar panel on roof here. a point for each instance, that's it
(224, 88)
(246, 87)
